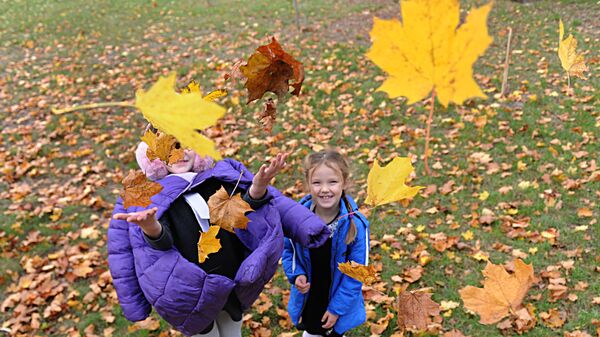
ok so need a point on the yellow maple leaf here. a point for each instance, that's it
(228, 212)
(194, 87)
(502, 293)
(387, 184)
(428, 52)
(208, 243)
(572, 62)
(213, 95)
(362, 273)
(180, 115)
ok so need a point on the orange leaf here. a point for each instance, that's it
(138, 189)
(162, 146)
(228, 212)
(208, 243)
(149, 323)
(502, 293)
(270, 68)
(415, 309)
(584, 212)
(362, 273)
(267, 116)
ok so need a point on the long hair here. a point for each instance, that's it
(337, 162)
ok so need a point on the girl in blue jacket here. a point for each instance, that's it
(323, 300)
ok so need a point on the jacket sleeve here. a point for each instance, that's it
(290, 261)
(341, 300)
(122, 268)
(299, 223)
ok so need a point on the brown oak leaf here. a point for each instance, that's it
(228, 212)
(138, 189)
(270, 68)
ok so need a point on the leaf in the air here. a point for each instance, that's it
(362, 273)
(208, 243)
(388, 184)
(270, 68)
(163, 147)
(213, 95)
(228, 212)
(429, 50)
(572, 62)
(267, 116)
(138, 189)
(502, 293)
(416, 310)
(180, 115)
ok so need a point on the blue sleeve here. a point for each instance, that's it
(350, 288)
(299, 223)
(290, 261)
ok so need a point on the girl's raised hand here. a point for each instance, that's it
(265, 174)
(146, 219)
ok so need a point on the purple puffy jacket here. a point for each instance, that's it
(180, 291)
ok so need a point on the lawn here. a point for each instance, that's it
(512, 177)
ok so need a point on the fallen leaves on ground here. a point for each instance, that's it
(502, 293)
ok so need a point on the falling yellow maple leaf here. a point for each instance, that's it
(208, 243)
(227, 211)
(194, 87)
(572, 62)
(502, 293)
(430, 51)
(362, 273)
(387, 184)
(180, 115)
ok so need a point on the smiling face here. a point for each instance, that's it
(184, 165)
(326, 187)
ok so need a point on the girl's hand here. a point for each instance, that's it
(146, 219)
(301, 284)
(265, 174)
(329, 320)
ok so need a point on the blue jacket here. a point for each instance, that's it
(345, 297)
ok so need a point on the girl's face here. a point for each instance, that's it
(184, 165)
(326, 188)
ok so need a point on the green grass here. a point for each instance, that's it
(73, 52)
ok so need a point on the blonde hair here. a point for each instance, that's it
(337, 162)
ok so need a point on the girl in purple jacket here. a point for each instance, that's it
(153, 254)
